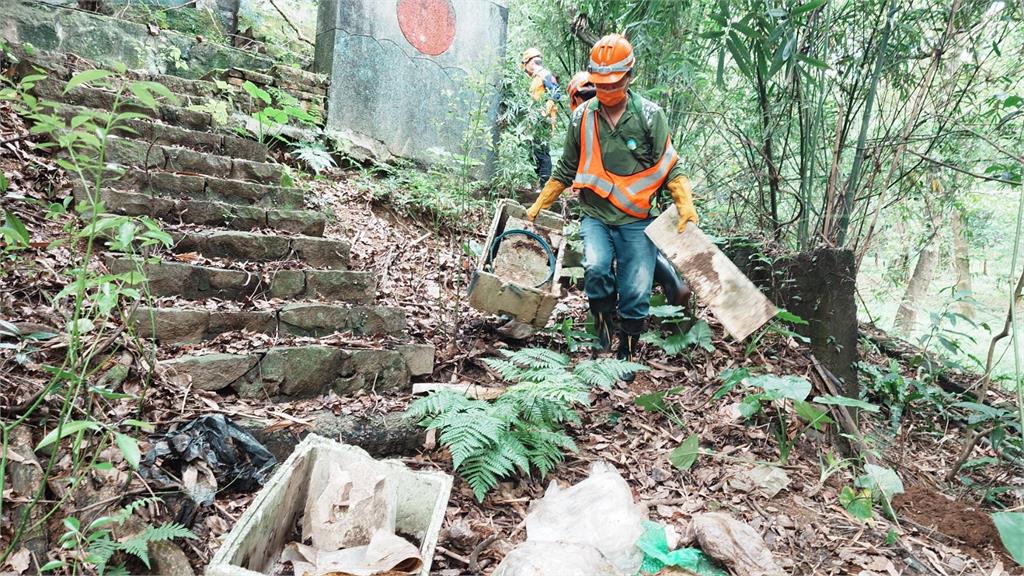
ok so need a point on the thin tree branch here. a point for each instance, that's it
(291, 24)
(961, 170)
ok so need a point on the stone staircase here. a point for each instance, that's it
(267, 267)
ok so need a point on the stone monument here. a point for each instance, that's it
(412, 78)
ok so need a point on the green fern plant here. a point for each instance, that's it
(314, 155)
(97, 543)
(524, 428)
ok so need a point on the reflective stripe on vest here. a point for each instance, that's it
(631, 193)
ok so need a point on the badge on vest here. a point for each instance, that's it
(631, 144)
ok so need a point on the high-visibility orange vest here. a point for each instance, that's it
(630, 193)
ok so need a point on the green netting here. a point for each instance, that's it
(654, 545)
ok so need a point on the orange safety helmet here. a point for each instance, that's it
(579, 82)
(528, 54)
(610, 59)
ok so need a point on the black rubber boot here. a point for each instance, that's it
(677, 291)
(629, 343)
(603, 312)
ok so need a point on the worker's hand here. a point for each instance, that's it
(682, 195)
(547, 197)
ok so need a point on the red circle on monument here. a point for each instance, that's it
(429, 25)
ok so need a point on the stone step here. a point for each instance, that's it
(187, 186)
(255, 247)
(60, 67)
(139, 154)
(292, 372)
(206, 213)
(193, 282)
(189, 325)
(164, 134)
(99, 99)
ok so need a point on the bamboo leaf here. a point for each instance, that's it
(808, 6)
(129, 449)
(739, 54)
(68, 429)
(87, 77)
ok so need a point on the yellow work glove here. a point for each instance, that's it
(547, 197)
(682, 195)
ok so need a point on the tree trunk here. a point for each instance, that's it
(962, 265)
(920, 281)
(846, 204)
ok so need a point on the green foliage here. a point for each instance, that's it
(278, 108)
(770, 390)
(857, 502)
(697, 336)
(92, 298)
(524, 428)
(314, 155)
(575, 340)
(98, 544)
(1011, 532)
(685, 455)
(778, 326)
(656, 402)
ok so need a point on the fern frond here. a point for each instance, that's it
(437, 402)
(556, 374)
(539, 358)
(167, 531)
(100, 552)
(485, 469)
(138, 547)
(505, 368)
(134, 506)
(467, 433)
(604, 372)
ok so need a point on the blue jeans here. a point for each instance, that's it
(632, 254)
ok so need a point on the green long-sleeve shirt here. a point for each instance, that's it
(645, 125)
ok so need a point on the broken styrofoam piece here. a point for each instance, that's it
(598, 512)
(555, 559)
(260, 535)
(734, 544)
(386, 553)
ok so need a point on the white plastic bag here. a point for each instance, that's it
(555, 559)
(598, 512)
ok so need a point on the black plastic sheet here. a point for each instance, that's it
(208, 445)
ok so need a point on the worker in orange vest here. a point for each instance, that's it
(677, 291)
(619, 154)
(545, 91)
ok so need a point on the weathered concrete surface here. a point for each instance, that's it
(209, 188)
(399, 79)
(266, 526)
(290, 372)
(110, 41)
(233, 216)
(381, 435)
(194, 282)
(210, 371)
(526, 304)
(256, 247)
(719, 284)
(820, 287)
(187, 325)
(418, 357)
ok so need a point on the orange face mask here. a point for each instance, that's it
(611, 97)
